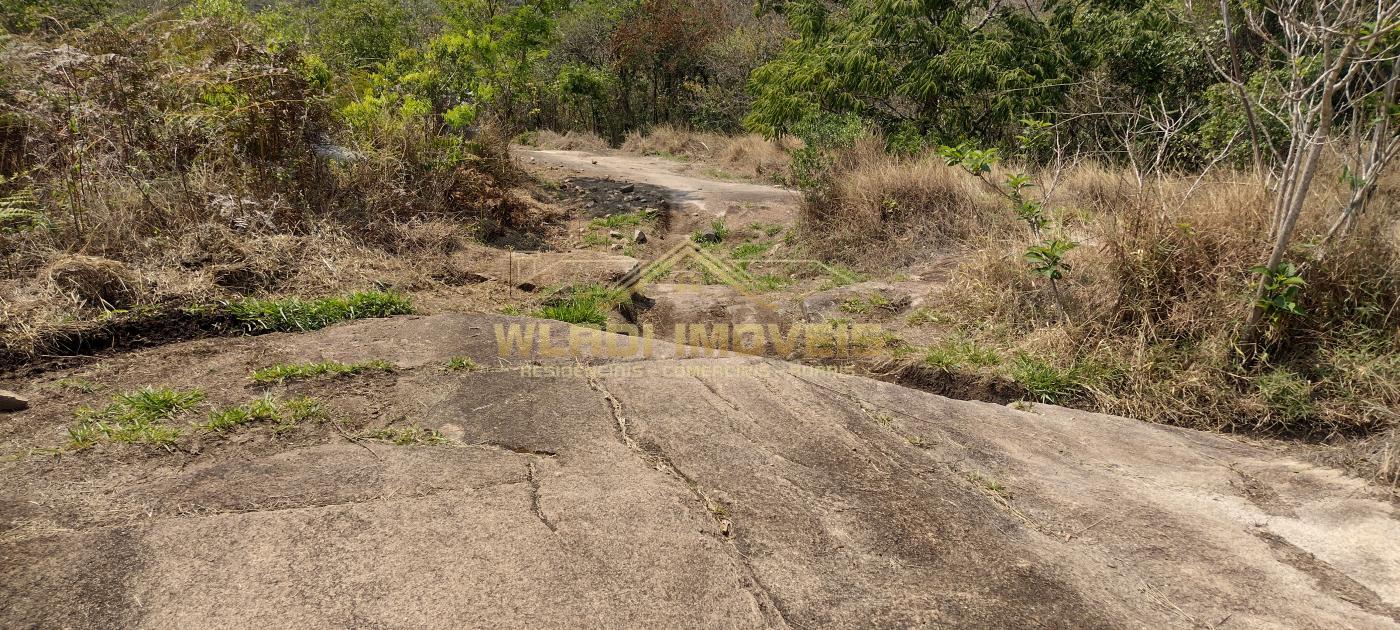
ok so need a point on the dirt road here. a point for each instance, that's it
(684, 183)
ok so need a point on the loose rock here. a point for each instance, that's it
(10, 401)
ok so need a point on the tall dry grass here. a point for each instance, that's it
(747, 156)
(1158, 286)
(567, 141)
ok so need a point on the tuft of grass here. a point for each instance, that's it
(261, 410)
(1288, 395)
(287, 414)
(750, 251)
(135, 417)
(840, 276)
(771, 282)
(293, 314)
(770, 230)
(80, 385)
(860, 306)
(715, 235)
(460, 364)
(407, 436)
(305, 408)
(586, 305)
(1045, 381)
(989, 484)
(284, 372)
(618, 221)
(595, 239)
(924, 316)
(957, 352)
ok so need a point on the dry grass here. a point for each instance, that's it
(1157, 287)
(748, 156)
(568, 141)
(883, 211)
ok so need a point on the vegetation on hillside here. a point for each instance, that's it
(1155, 208)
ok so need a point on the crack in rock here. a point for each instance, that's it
(1328, 578)
(657, 459)
(532, 476)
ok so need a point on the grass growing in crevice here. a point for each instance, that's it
(586, 305)
(137, 417)
(750, 251)
(860, 306)
(461, 364)
(284, 372)
(261, 410)
(297, 315)
(619, 221)
(286, 414)
(407, 436)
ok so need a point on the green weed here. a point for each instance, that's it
(286, 414)
(1047, 382)
(261, 410)
(750, 251)
(284, 372)
(461, 364)
(618, 221)
(840, 276)
(595, 239)
(1288, 395)
(292, 314)
(134, 418)
(587, 305)
(771, 282)
(957, 352)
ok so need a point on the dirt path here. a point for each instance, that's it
(691, 191)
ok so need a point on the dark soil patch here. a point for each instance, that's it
(86, 343)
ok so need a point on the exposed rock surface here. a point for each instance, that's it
(657, 493)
